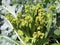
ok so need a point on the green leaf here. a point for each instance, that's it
(56, 44)
(49, 24)
(10, 10)
(57, 32)
(10, 39)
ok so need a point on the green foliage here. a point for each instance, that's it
(34, 24)
(56, 44)
(57, 32)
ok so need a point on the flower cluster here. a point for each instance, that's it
(32, 23)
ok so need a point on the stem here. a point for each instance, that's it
(10, 11)
(19, 38)
(56, 41)
(9, 39)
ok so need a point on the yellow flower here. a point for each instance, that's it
(39, 14)
(39, 33)
(38, 5)
(42, 35)
(23, 22)
(41, 10)
(32, 8)
(26, 6)
(26, 10)
(43, 14)
(13, 20)
(48, 15)
(33, 39)
(37, 18)
(38, 28)
(28, 18)
(51, 7)
(27, 39)
(19, 14)
(9, 17)
(34, 34)
(20, 33)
